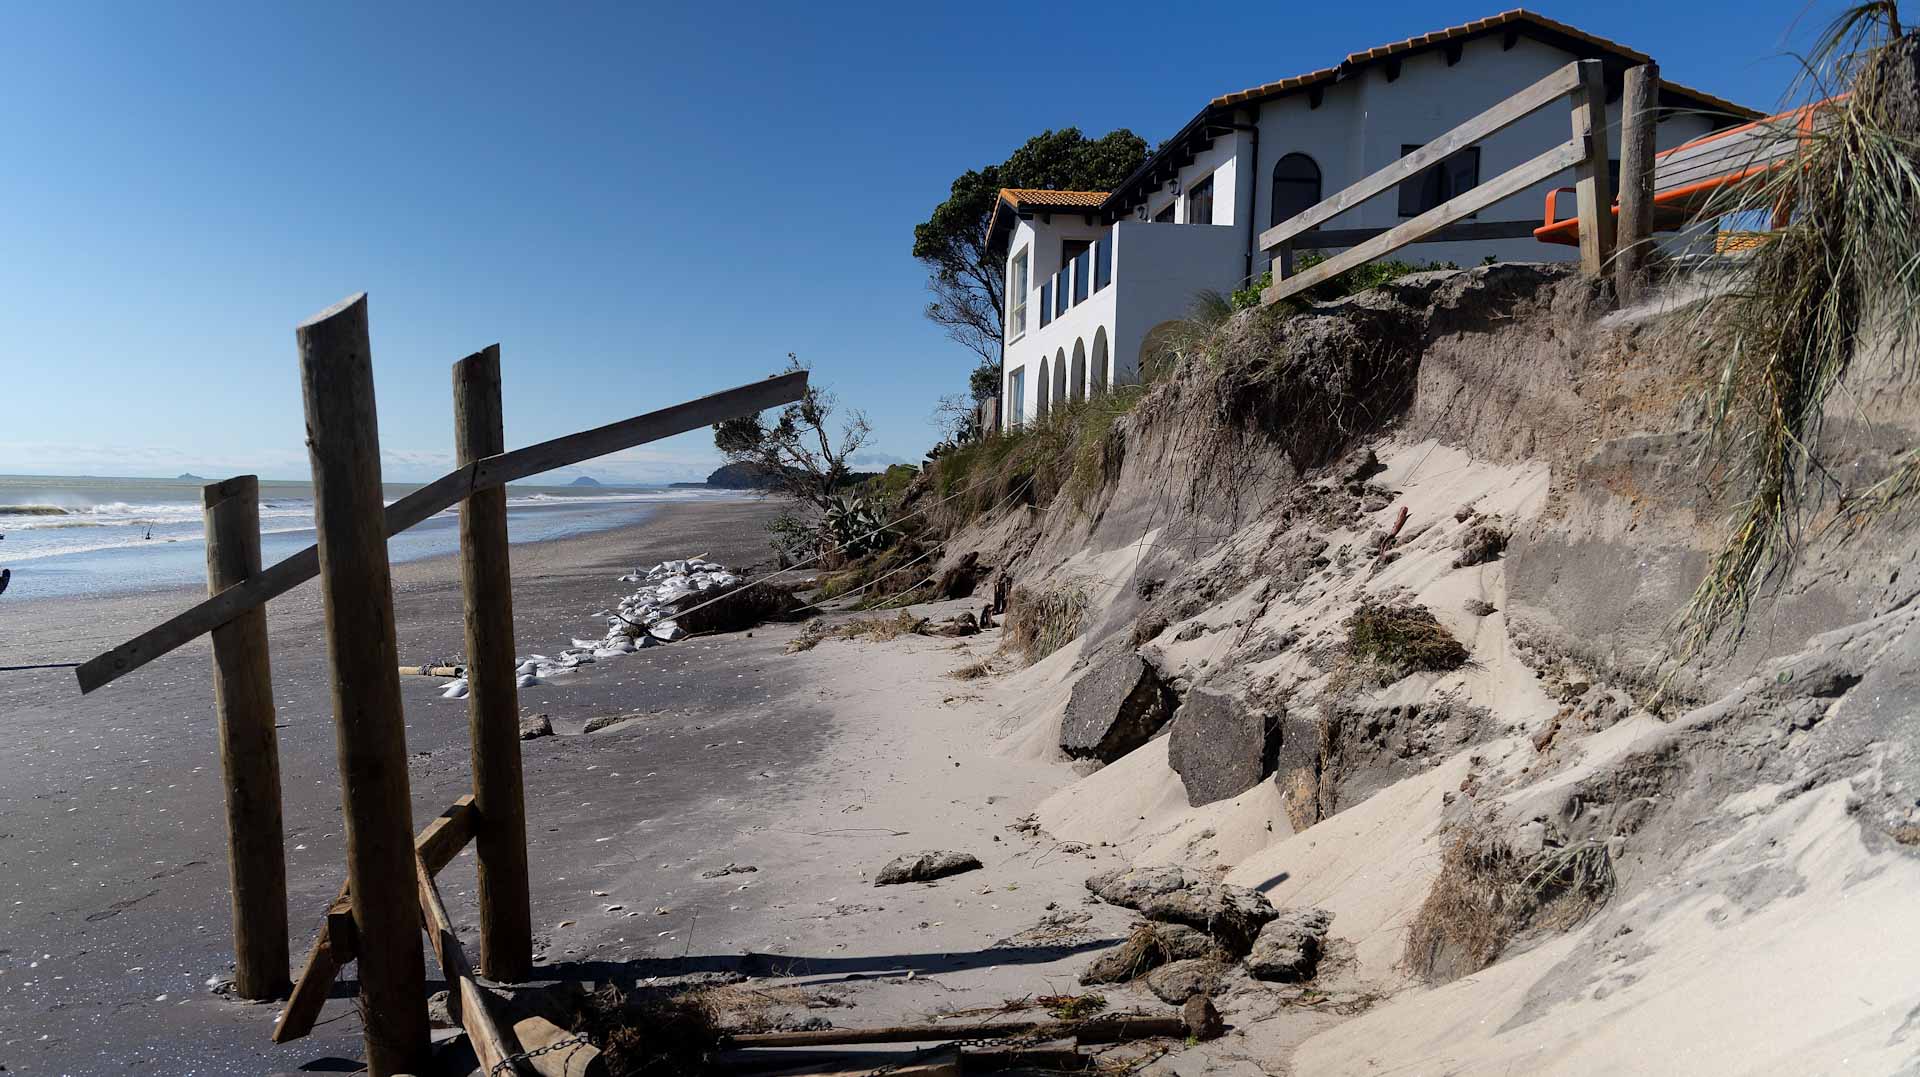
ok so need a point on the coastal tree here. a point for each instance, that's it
(804, 456)
(967, 282)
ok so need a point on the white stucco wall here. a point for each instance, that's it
(1359, 128)
(1362, 124)
(1159, 271)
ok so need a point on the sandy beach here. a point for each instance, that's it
(113, 890)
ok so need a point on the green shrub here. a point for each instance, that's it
(1402, 638)
(1353, 281)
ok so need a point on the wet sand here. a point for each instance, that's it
(113, 889)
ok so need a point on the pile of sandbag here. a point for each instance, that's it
(671, 602)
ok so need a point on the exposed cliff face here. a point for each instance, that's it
(1519, 474)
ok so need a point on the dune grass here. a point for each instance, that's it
(1840, 277)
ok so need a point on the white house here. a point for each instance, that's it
(1091, 274)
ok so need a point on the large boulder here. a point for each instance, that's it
(960, 578)
(1150, 946)
(1231, 915)
(1116, 707)
(1288, 949)
(1132, 888)
(1221, 747)
(1182, 980)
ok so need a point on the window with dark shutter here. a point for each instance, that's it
(1438, 183)
(1200, 202)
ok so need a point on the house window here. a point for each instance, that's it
(1200, 202)
(1296, 187)
(1436, 184)
(1016, 398)
(1165, 216)
(1017, 295)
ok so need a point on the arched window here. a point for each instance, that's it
(1077, 382)
(1296, 186)
(1100, 361)
(1046, 392)
(1060, 377)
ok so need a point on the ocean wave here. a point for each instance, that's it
(32, 510)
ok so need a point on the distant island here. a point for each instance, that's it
(746, 476)
(188, 476)
(740, 476)
(585, 480)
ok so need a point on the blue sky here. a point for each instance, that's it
(640, 204)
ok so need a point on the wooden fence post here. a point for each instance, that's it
(249, 749)
(1593, 184)
(370, 736)
(493, 700)
(1638, 115)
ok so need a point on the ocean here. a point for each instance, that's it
(91, 536)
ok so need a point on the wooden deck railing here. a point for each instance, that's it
(1580, 83)
(377, 918)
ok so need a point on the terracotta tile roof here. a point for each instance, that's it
(1029, 198)
(1017, 200)
(1520, 16)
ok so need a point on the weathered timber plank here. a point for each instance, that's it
(466, 997)
(1497, 118)
(435, 497)
(436, 845)
(1502, 186)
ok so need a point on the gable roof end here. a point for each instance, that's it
(1014, 201)
(1572, 39)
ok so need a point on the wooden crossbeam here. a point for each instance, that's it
(1501, 116)
(1108, 1029)
(467, 998)
(1519, 179)
(436, 845)
(441, 494)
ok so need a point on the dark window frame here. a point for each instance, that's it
(1440, 182)
(1273, 195)
(1200, 189)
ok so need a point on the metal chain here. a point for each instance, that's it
(1010, 1042)
(505, 1065)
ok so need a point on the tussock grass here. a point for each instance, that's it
(1477, 904)
(1400, 638)
(972, 671)
(1840, 278)
(1485, 894)
(1039, 623)
(878, 629)
(650, 1033)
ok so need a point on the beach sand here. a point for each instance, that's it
(812, 768)
(113, 888)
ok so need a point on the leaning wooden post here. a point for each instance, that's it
(1638, 115)
(493, 701)
(1593, 184)
(370, 736)
(249, 749)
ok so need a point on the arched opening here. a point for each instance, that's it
(1077, 387)
(1102, 363)
(1159, 350)
(1044, 396)
(1296, 187)
(1060, 376)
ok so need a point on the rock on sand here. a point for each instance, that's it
(925, 867)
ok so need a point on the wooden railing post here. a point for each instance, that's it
(1638, 115)
(493, 701)
(370, 736)
(1593, 184)
(249, 749)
